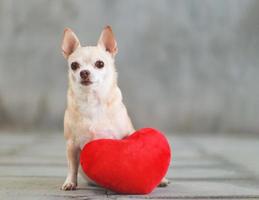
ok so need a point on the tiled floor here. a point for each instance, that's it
(33, 166)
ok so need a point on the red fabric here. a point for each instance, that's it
(134, 165)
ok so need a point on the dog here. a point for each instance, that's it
(94, 101)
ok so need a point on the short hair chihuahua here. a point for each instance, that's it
(94, 102)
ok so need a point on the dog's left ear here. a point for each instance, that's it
(70, 43)
(107, 41)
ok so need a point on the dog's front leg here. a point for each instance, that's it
(73, 154)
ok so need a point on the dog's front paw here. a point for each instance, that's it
(165, 182)
(69, 185)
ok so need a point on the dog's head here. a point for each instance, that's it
(90, 66)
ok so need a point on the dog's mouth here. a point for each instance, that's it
(86, 82)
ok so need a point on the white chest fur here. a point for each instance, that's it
(95, 119)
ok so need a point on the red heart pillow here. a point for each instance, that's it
(134, 165)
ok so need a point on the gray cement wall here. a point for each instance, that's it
(183, 65)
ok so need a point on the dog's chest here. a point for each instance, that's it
(95, 122)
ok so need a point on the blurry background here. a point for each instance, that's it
(184, 66)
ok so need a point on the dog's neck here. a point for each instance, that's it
(87, 96)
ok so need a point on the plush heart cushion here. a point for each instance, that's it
(133, 165)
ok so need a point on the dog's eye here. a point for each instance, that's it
(99, 64)
(74, 65)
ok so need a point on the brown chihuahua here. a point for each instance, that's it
(94, 101)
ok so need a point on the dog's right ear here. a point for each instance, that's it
(70, 42)
(107, 41)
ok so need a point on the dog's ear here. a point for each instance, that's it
(107, 41)
(70, 42)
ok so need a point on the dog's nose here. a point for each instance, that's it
(84, 74)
